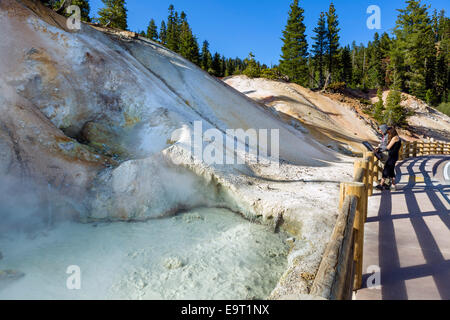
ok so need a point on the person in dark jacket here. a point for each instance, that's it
(394, 145)
(381, 151)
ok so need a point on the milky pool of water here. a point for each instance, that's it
(201, 254)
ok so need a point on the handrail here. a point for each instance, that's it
(340, 271)
(335, 272)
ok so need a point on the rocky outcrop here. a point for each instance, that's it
(9, 276)
(77, 104)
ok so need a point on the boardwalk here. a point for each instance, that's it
(408, 234)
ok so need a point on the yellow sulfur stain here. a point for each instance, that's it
(131, 120)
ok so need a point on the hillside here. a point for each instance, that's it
(340, 120)
(330, 122)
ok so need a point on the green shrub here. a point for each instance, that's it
(337, 87)
(272, 74)
(364, 101)
(253, 70)
(431, 98)
(395, 114)
(444, 107)
(379, 107)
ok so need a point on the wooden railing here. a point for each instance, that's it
(341, 270)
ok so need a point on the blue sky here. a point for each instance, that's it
(236, 27)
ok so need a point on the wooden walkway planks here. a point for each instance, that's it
(408, 235)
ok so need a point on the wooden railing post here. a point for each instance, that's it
(421, 147)
(359, 190)
(414, 152)
(362, 165)
(408, 150)
(370, 156)
(336, 273)
(375, 171)
(341, 196)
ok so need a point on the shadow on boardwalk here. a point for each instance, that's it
(412, 225)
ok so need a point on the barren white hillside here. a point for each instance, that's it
(426, 122)
(332, 123)
(333, 119)
(100, 122)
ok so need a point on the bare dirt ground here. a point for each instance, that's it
(425, 123)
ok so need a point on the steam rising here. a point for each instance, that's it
(22, 207)
(148, 188)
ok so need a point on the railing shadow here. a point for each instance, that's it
(393, 276)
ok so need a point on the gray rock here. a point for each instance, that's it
(9, 276)
(173, 263)
(6, 156)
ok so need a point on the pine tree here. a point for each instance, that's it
(385, 47)
(52, 4)
(357, 62)
(229, 71)
(188, 46)
(377, 62)
(430, 98)
(253, 70)
(84, 6)
(293, 61)
(163, 33)
(345, 65)
(395, 114)
(239, 66)
(48, 3)
(173, 31)
(415, 43)
(152, 31)
(442, 80)
(206, 58)
(320, 46)
(223, 66)
(397, 69)
(114, 14)
(215, 65)
(333, 38)
(85, 9)
(379, 107)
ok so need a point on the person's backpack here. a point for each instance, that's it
(378, 154)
